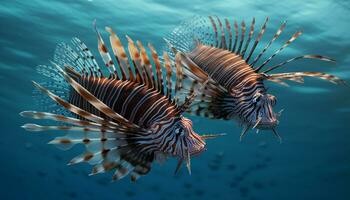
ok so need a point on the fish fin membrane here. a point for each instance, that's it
(192, 82)
(77, 55)
(186, 36)
(108, 151)
(53, 81)
(107, 148)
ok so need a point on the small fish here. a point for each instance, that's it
(127, 118)
(236, 89)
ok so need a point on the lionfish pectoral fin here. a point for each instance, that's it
(188, 162)
(244, 132)
(212, 136)
(105, 149)
(190, 98)
(199, 79)
(193, 86)
(109, 145)
(277, 135)
(178, 166)
(257, 123)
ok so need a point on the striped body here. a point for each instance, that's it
(226, 68)
(135, 102)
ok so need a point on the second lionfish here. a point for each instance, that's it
(223, 51)
(126, 119)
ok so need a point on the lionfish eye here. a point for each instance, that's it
(179, 130)
(257, 99)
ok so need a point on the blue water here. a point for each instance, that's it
(313, 162)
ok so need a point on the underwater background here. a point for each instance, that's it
(313, 161)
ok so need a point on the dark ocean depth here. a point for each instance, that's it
(313, 161)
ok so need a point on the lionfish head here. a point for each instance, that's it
(259, 114)
(189, 143)
(178, 139)
(263, 116)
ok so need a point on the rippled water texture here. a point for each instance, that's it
(312, 162)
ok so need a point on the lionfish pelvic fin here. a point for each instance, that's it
(188, 161)
(257, 123)
(277, 135)
(178, 166)
(244, 132)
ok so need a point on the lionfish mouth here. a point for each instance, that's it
(261, 124)
(196, 152)
(200, 144)
(198, 148)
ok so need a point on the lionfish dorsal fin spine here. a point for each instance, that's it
(318, 57)
(250, 35)
(215, 30)
(257, 40)
(243, 30)
(228, 28)
(103, 50)
(294, 37)
(277, 34)
(136, 59)
(223, 38)
(158, 69)
(145, 61)
(167, 65)
(120, 54)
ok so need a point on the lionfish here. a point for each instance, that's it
(126, 119)
(236, 88)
